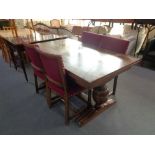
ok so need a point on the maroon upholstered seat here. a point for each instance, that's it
(72, 90)
(58, 80)
(91, 39)
(36, 63)
(113, 44)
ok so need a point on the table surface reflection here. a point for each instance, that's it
(87, 66)
(27, 36)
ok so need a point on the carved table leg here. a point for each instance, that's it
(102, 102)
(100, 95)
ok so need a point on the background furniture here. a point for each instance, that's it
(25, 36)
(55, 23)
(44, 29)
(4, 22)
(149, 52)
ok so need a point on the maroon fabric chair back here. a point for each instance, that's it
(54, 69)
(91, 39)
(33, 55)
(113, 44)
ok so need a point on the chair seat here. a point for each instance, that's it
(39, 74)
(73, 87)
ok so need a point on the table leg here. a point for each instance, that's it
(100, 95)
(101, 98)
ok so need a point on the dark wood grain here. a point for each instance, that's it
(90, 68)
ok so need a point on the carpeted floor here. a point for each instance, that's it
(22, 111)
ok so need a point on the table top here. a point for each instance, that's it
(87, 66)
(27, 36)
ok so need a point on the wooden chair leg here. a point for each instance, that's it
(48, 96)
(66, 110)
(10, 61)
(114, 85)
(12, 56)
(3, 53)
(89, 97)
(9, 57)
(36, 83)
(22, 63)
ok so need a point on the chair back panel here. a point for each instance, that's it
(91, 39)
(54, 68)
(33, 55)
(113, 44)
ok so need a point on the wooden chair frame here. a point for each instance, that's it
(37, 88)
(66, 96)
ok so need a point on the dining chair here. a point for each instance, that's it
(12, 55)
(84, 29)
(58, 80)
(91, 39)
(114, 45)
(77, 31)
(33, 55)
(18, 57)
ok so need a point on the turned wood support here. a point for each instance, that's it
(100, 95)
(102, 102)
